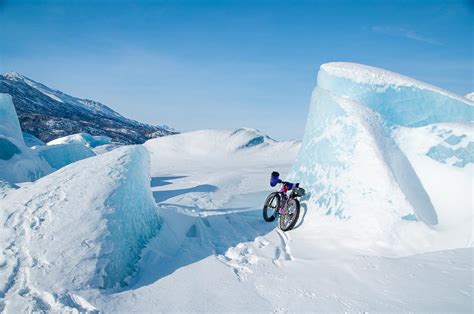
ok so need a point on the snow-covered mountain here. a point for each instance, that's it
(48, 114)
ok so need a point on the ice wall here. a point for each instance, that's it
(18, 163)
(9, 123)
(365, 188)
(85, 225)
(61, 155)
(399, 99)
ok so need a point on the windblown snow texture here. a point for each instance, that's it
(83, 226)
(48, 114)
(357, 168)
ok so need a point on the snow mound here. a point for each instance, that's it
(62, 235)
(62, 155)
(377, 182)
(18, 163)
(31, 140)
(399, 99)
(212, 147)
(82, 138)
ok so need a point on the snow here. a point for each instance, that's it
(213, 147)
(82, 138)
(61, 236)
(470, 96)
(41, 88)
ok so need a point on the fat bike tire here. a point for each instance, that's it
(271, 206)
(288, 221)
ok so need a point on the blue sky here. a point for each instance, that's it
(227, 64)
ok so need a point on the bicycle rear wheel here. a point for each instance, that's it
(270, 208)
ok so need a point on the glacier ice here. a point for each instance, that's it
(62, 155)
(9, 123)
(82, 138)
(18, 162)
(399, 99)
(358, 168)
(31, 140)
(83, 226)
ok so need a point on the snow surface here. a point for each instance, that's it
(82, 138)
(61, 236)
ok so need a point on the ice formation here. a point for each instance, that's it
(81, 227)
(18, 162)
(358, 165)
(82, 138)
(62, 155)
(31, 140)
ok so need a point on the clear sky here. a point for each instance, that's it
(226, 64)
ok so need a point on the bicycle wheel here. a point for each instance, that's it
(270, 208)
(288, 221)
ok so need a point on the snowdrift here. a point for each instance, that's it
(80, 227)
(82, 138)
(218, 147)
(369, 181)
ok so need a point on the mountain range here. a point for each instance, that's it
(48, 114)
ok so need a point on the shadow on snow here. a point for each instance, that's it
(189, 235)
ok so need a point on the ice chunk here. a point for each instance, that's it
(86, 224)
(366, 161)
(7, 149)
(31, 140)
(82, 138)
(9, 124)
(61, 155)
(18, 163)
(399, 99)
(354, 170)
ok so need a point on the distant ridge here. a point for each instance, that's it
(48, 114)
